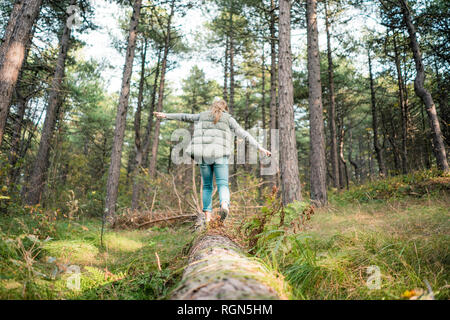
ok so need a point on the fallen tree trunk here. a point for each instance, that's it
(219, 270)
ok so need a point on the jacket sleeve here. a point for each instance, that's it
(186, 117)
(241, 133)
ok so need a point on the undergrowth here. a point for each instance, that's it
(142, 264)
(398, 228)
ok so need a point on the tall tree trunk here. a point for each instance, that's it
(391, 138)
(232, 53)
(402, 103)
(39, 172)
(317, 139)
(273, 122)
(444, 110)
(148, 132)
(376, 144)
(12, 52)
(225, 71)
(426, 140)
(15, 141)
(273, 68)
(369, 156)
(112, 186)
(332, 111)
(350, 157)
(290, 181)
(263, 90)
(153, 160)
(137, 131)
(247, 127)
(438, 143)
(344, 171)
(22, 101)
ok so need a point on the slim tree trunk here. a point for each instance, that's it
(344, 172)
(444, 110)
(152, 167)
(426, 140)
(225, 71)
(39, 172)
(263, 90)
(376, 144)
(438, 143)
(137, 131)
(317, 139)
(332, 112)
(22, 102)
(12, 52)
(148, 133)
(402, 103)
(112, 186)
(247, 127)
(273, 88)
(15, 141)
(232, 53)
(350, 157)
(290, 181)
(273, 68)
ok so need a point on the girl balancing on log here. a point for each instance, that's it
(210, 147)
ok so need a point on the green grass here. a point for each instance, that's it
(400, 225)
(406, 236)
(125, 268)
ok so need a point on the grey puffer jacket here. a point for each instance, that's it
(210, 140)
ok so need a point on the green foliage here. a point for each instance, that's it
(125, 268)
(405, 236)
(417, 184)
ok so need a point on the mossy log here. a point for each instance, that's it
(218, 269)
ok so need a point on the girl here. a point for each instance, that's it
(210, 147)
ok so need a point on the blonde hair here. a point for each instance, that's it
(218, 107)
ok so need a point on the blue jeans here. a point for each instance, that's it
(220, 169)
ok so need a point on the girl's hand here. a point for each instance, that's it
(160, 115)
(266, 152)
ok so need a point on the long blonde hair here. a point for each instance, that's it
(217, 108)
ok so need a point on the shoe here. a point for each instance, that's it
(224, 210)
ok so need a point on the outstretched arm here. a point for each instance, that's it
(186, 117)
(240, 132)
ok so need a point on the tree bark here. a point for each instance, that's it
(402, 104)
(444, 110)
(225, 71)
(263, 90)
(344, 172)
(424, 94)
(15, 140)
(350, 157)
(332, 112)
(148, 133)
(112, 186)
(39, 172)
(137, 131)
(376, 144)
(290, 181)
(232, 53)
(317, 139)
(273, 123)
(219, 270)
(12, 52)
(153, 160)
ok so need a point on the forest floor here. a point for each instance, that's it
(399, 229)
